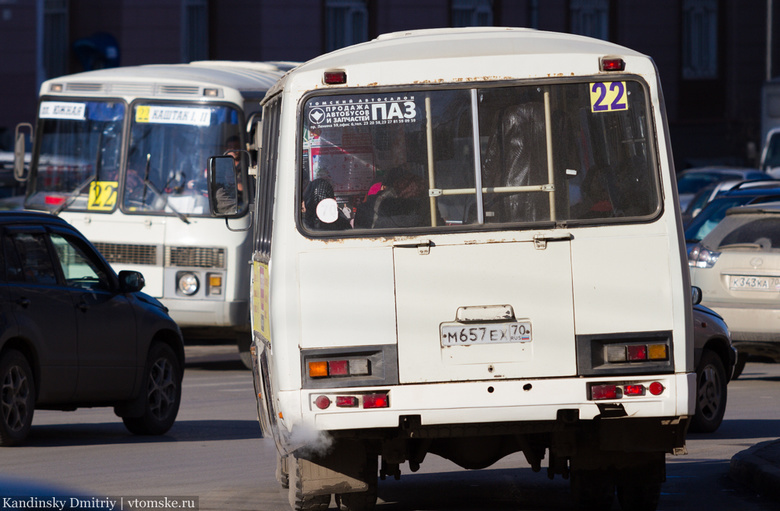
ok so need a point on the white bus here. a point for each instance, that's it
(467, 243)
(121, 154)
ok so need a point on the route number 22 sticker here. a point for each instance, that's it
(608, 97)
(102, 195)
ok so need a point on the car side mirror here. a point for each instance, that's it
(696, 295)
(131, 281)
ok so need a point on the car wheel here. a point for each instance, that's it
(161, 394)
(711, 394)
(17, 398)
(740, 365)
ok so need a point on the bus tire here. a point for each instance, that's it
(592, 490)
(638, 497)
(244, 342)
(362, 500)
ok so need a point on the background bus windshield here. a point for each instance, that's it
(168, 146)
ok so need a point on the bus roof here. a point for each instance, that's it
(482, 54)
(249, 78)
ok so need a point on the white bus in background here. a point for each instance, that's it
(467, 243)
(121, 154)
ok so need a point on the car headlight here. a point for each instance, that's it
(701, 257)
(188, 283)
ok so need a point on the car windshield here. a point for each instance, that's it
(440, 159)
(78, 142)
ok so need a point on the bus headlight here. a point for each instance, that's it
(187, 283)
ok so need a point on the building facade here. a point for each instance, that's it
(713, 55)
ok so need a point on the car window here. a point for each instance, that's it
(77, 267)
(29, 259)
(760, 231)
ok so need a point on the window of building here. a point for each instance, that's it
(195, 30)
(55, 38)
(700, 39)
(472, 13)
(346, 23)
(590, 18)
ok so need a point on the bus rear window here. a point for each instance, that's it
(574, 152)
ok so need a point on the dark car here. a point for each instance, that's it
(714, 358)
(75, 334)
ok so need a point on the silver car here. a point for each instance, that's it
(737, 267)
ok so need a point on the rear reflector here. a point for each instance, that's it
(656, 388)
(322, 402)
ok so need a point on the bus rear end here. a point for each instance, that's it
(484, 258)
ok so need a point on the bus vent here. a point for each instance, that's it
(84, 87)
(179, 89)
(128, 254)
(131, 88)
(199, 257)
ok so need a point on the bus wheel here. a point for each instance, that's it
(244, 342)
(592, 490)
(362, 500)
(639, 497)
(298, 500)
(282, 473)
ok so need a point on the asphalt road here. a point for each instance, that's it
(215, 457)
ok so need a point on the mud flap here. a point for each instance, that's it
(344, 469)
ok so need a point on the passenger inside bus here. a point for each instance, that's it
(320, 209)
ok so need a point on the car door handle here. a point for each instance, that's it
(23, 302)
(82, 306)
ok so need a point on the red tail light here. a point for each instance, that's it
(375, 401)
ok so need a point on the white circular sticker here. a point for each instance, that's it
(328, 210)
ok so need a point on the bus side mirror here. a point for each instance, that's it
(224, 182)
(20, 151)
